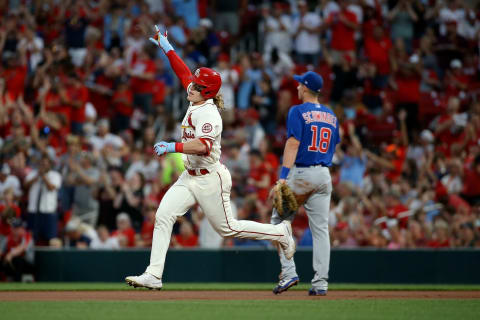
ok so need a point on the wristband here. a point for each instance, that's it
(179, 147)
(284, 172)
(170, 147)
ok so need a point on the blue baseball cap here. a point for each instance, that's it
(311, 80)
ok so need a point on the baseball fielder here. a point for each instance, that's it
(205, 181)
(313, 133)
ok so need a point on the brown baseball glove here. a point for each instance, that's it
(284, 200)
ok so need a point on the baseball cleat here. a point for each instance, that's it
(317, 292)
(288, 243)
(285, 284)
(145, 280)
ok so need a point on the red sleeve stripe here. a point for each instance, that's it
(208, 143)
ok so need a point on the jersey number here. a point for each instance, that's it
(324, 143)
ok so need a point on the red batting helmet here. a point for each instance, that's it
(208, 78)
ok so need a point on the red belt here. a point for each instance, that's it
(202, 172)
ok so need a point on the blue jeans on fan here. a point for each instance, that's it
(43, 226)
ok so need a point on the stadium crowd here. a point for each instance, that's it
(84, 96)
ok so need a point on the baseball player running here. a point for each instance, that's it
(205, 181)
(312, 135)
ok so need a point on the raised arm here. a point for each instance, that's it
(178, 66)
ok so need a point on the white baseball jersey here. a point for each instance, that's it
(204, 122)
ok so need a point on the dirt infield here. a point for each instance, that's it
(145, 295)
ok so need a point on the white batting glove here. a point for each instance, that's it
(161, 40)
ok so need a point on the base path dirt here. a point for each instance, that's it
(144, 295)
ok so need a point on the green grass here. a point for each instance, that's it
(231, 310)
(83, 286)
(236, 309)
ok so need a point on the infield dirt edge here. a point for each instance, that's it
(147, 295)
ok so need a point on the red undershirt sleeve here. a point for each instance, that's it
(180, 69)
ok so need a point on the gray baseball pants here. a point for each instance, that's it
(317, 181)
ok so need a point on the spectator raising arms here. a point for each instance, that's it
(84, 97)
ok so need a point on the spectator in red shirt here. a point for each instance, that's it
(14, 76)
(372, 18)
(50, 95)
(142, 73)
(16, 71)
(449, 127)
(395, 209)
(471, 182)
(101, 84)
(259, 177)
(123, 105)
(456, 81)
(186, 238)
(8, 206)
(54, 126)
(124, 232)
(53, 101)
(343, 24)
(271, 160)
(159, 91)
(19, 118)
(407, 86)
(440, 238)
(75, 96)
(378, 50)
(146, 234)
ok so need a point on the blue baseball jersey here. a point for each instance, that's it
(317, 129)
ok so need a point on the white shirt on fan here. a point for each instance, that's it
(276, 37)
(11, 182)
(306, 42)
(109, 244)
(99, 142)
(229, 81)
(49, 198)
(202, 121)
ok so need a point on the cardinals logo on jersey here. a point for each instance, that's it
(188, 135)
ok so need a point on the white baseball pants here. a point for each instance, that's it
(212, 193)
